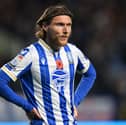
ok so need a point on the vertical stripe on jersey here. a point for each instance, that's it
(71, 68)
(44, 81)
(27, 85)
(62, 100)
(37, 88)
(80, 65)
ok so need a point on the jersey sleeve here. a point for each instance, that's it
(83, 62)
(18, 65)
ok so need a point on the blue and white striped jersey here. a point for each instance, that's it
(47, 79)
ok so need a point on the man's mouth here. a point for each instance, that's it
(63, 37)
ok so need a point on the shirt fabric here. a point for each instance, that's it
(47, 79)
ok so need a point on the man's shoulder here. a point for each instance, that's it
(28, 48)
(31, 46)
(72, 46)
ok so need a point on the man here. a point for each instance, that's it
(47, 70)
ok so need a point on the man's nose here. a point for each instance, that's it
(65, 30)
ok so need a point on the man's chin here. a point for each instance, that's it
(63, 44)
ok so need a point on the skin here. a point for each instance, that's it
(58, 31)
(75, 112)
(33, 114)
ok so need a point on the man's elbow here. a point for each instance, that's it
(91, 72)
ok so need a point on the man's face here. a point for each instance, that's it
(59, 31)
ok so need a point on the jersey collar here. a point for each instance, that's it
(43, 43)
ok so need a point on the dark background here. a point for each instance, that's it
(99, 30)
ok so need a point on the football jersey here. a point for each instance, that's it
(47, 79)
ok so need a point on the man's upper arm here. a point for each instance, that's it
(18, 65)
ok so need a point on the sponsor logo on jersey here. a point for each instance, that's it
(59, 79)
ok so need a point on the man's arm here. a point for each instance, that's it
(7, 93)
(85, 85)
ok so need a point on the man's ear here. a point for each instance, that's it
(45, 27)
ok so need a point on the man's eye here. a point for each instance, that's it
(60, 24)
(69, 24)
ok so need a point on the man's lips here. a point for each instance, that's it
(63, 37)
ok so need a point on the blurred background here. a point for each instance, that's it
(99, 30)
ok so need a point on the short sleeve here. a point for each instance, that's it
(18, 65)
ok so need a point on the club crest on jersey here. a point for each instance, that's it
(59, 77)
